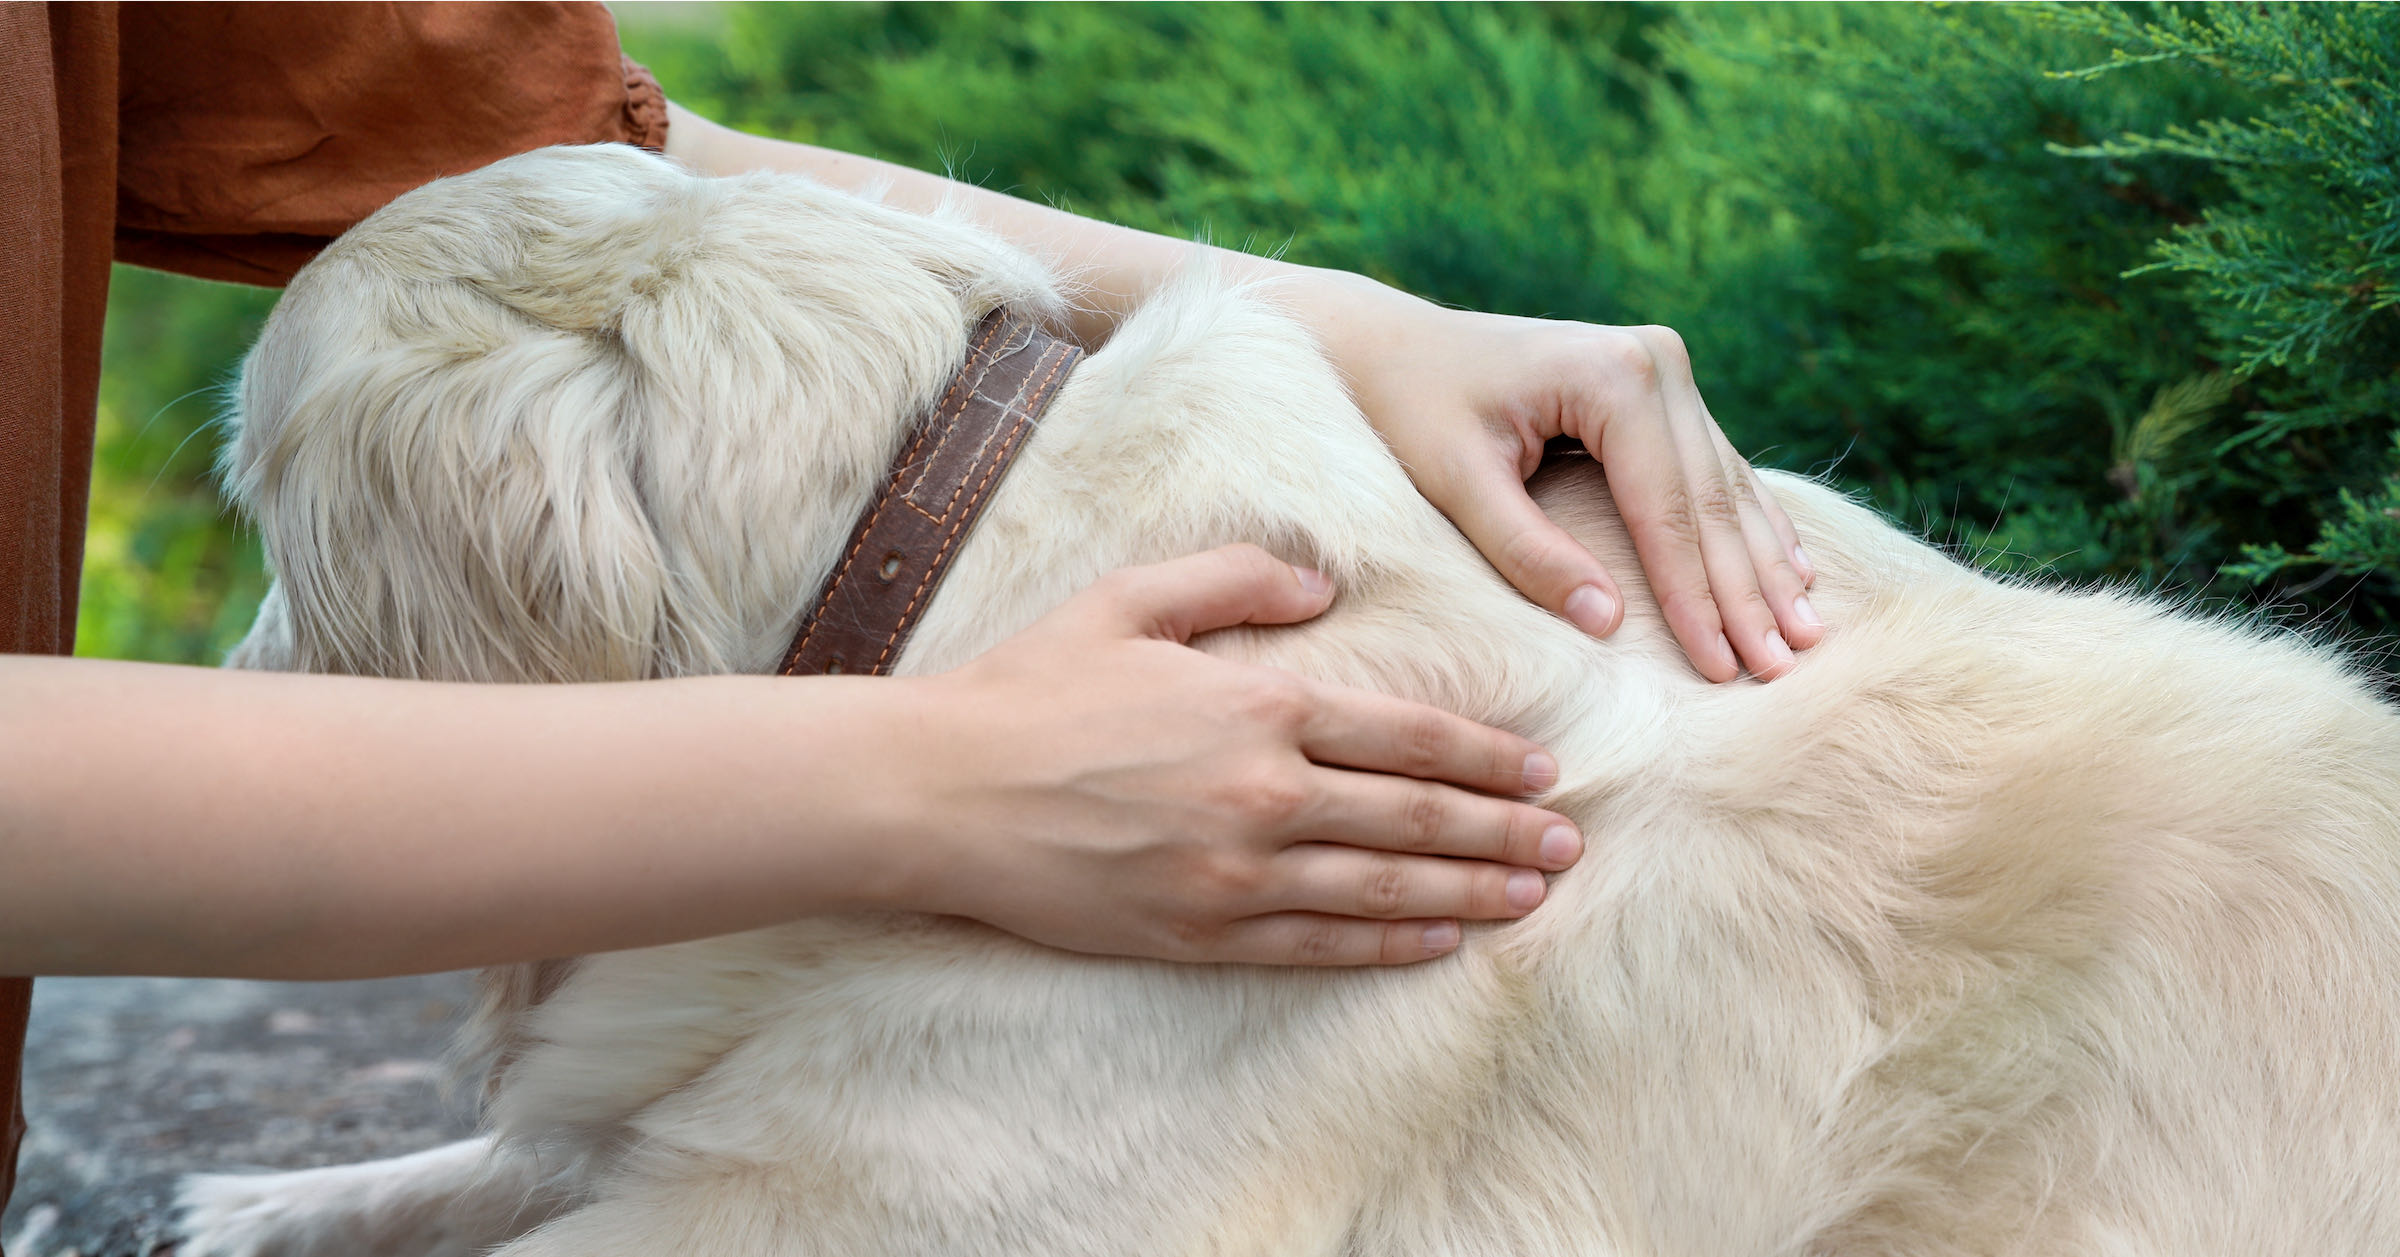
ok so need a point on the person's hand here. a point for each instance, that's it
(1110, 789)
(1467, 400)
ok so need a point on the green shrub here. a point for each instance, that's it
(2297, 275)
(2058, 342)
(1473, 152)
(168, 573)
(2105, 292)
(1921, 247)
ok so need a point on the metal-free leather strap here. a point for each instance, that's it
(904, 542)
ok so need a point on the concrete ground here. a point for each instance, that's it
(133, 1081)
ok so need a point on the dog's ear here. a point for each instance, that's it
(463, 508)
(580, 415)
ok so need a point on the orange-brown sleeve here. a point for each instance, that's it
(250, 135)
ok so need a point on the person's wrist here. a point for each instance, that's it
(838, 766)
(903, 852)
(1358, 321)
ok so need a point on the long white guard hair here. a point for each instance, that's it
(2013, 920)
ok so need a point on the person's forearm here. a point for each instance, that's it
(184, 821)
(1116, 267)
(1088, 783)
(1466, 401)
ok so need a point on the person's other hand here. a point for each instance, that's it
(1467, 400)
(1110, 789)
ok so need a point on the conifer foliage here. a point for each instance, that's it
(2095, 292)
(2296, 274)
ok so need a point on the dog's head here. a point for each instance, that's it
(581, 415)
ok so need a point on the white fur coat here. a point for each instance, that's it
(2013, 920)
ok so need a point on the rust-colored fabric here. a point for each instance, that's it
(301, 119)
(230, 141)
(58, 72)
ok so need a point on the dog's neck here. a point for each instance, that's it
(1211, 418)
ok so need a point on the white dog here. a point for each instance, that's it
(2011, 921)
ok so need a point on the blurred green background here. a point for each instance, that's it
(2104, 293)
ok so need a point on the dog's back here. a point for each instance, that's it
(2011, 920)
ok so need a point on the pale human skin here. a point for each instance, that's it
(1465, 399)
(189, 821)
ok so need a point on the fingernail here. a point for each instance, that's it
(1314, 581)
(1525, 889)
(1807, 613)
(1779, 652)
(1808, 570)
(1440, 937)
(1541, 772)
(1590, 609)
(1560, 845)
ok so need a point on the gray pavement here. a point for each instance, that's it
(131, 1082)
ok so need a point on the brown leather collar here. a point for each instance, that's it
(904, 542)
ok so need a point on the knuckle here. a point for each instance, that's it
(1781, 571)
(1271, 799)
(1424, 744)
(1195, 935)
(1385, 892)
(1489, 894)
(1535, 559)
(1280, 701)
(1605, 355)
(1625, 357)
(1233, 878)
(1674, 520)
(1751, 603)
(1742, 485)
(1713, 502)
(1421, 820)
(1520, 840)
(1665, 345)
(1319, 942)
(1538, 558)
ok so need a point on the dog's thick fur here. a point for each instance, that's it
(2011, 921)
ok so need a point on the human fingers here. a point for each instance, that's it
(1309, 938)
(1183, 598)
(1385, 813)
(1349, 882)
(1776, 518)
(1488, 502)
(1734, 578)
(1782, 523)
(1635, 442)
(1779, 578)
(1738, 564)
(1376, 732)
(1758, 589)
(1774, 548)
(1709, 515)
